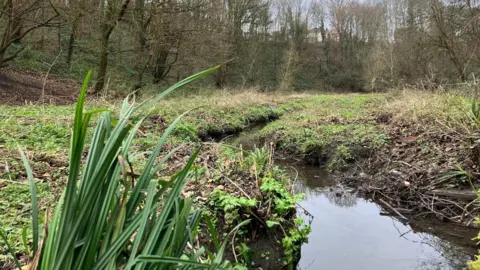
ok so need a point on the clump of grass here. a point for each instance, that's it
(440, 110)
(325, 122)
(107, 220)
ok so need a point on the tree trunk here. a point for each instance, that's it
(221, 77)
(107, 29)
(71, 43)
(42, 39)
(447, 42)
(160, 66)
(457, 64)
(16, 29)
(59, 38)
(2, 56)
(141, 41)
(102, 67)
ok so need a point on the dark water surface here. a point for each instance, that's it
(349, 233)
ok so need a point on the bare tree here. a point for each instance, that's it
(112, 14)
(18, 19)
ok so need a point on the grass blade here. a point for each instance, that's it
(220, 252)
(24, 239)
(213, 232)
(9, 247)
(169, 203)
(171, 260)
(33, 192)
(147, 171)
(143, 224)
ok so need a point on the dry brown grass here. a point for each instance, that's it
(229, 98)
(447, 110)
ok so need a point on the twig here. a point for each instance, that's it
(238, 187)
(259, 219)
(401, 235)
(404, 163)
(45, 78)
(296, 177)
(256, 174)
(13, 182)
(432, 210)
(466, 208)
(306, 212)
(393, 209)
(233, 246)
(433, 200)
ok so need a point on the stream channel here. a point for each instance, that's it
(349, 232)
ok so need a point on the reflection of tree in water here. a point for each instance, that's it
(453, 256)
(299, 187)
(335, 196)
(340, 198)
(449, 254)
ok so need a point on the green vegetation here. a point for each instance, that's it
(293, 241)
(330, 129)
(44, 131)
(274, 46)
(109, 220)
(271, 210)
(230, 185)
(232, 206)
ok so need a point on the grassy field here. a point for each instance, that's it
(335, 130)
(44, 132)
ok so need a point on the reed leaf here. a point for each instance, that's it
(105, 221)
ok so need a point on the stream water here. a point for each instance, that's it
(349, 232)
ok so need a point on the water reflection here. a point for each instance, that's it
(341, 199)
(349, 233)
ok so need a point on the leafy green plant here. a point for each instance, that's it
(106, 220)
(283, 201)
(245, 253)
(464, 177)
(258, 160)
(341, 158)
(293, 241)
(276, 209)
(284, 204)
(231, 205)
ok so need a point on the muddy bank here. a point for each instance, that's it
(423, 173)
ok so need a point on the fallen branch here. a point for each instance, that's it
(465, 195)
(243, 191)
(393, 209)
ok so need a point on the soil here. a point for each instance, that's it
(25, 87)
(423, 172)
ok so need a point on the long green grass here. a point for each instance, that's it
(105, 218)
